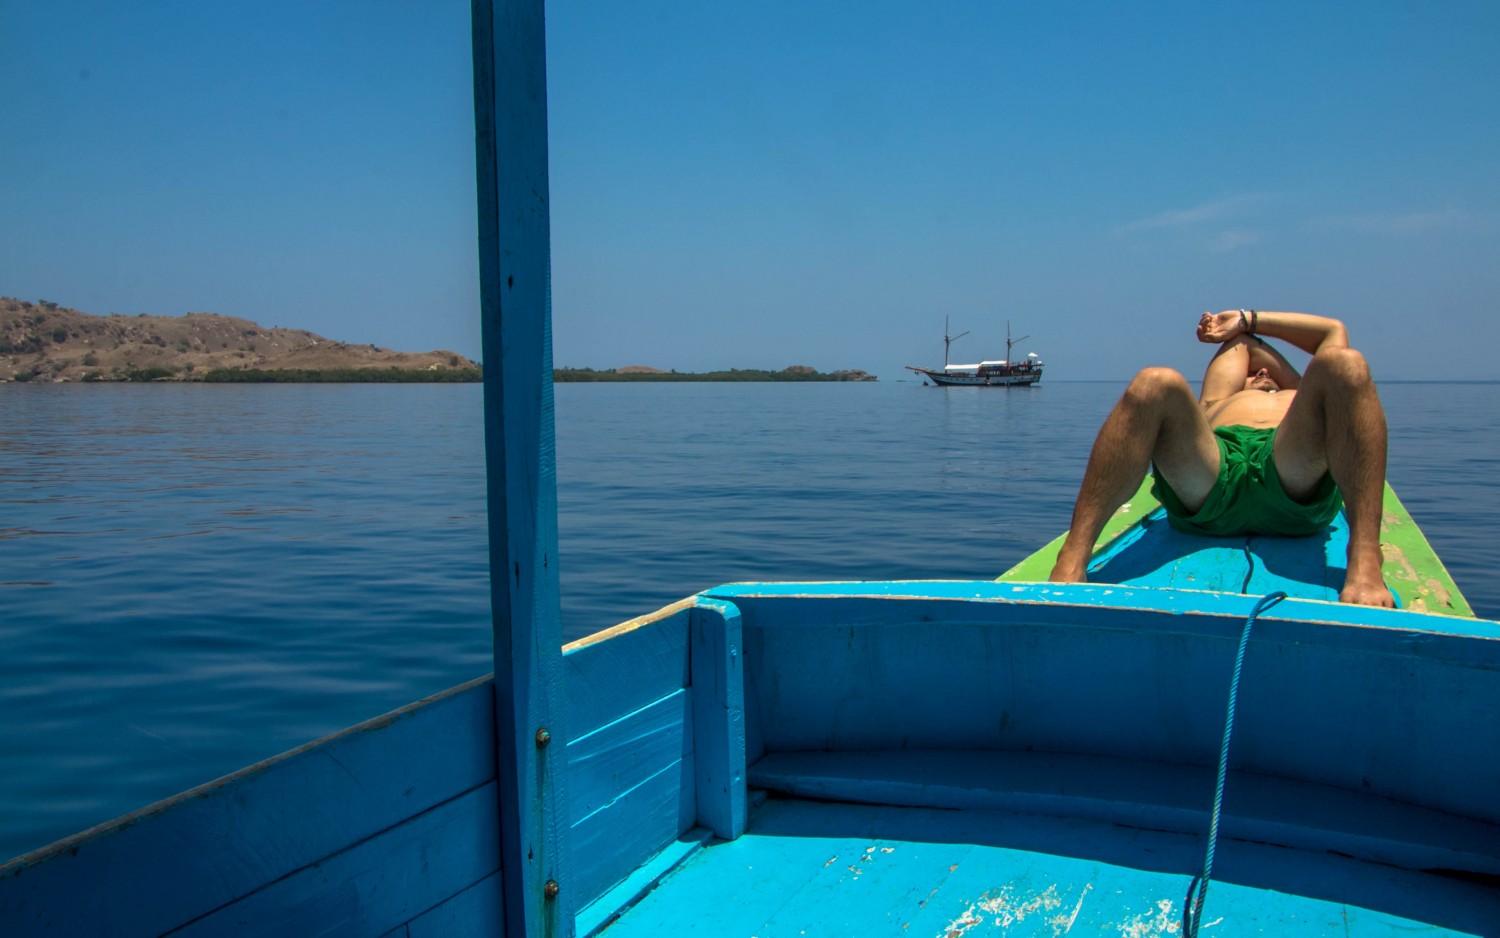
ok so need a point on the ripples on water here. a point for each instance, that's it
(195, 577)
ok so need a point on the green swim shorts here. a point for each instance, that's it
(1248, 498)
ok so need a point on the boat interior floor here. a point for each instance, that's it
(842, 844)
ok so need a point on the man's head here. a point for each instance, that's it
(1261, 381)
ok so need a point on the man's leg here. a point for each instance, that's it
(1157, 420)
(1337, 426)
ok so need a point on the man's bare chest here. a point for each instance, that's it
(1251, 409)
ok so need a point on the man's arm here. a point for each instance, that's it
(1311, 334)
(1238, 359)
(1226, 372)
(1265, 355)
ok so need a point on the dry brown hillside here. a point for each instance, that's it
(45, 342)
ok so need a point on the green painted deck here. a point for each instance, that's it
(828, 869)
(1138, 548)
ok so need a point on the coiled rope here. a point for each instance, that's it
(1192, 907)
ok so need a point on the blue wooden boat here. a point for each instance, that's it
(906, 758)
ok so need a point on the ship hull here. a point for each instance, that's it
(970, 379)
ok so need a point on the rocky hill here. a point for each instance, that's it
(42, 341)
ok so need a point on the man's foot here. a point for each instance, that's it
(1367, 592)
(1363, 583)
(1068, 573)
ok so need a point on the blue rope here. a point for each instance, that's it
(1192, 908)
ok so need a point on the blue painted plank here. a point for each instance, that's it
(641, 880)
(1142, 794)
(638, 825)
(478, 911)
(719, 717)
(1062, 596)
(832, 869)
(755, 743)
(1153, 554)
(1020, 688)
(622, 755)
(734, 893)
(1309, 566)
(1103, 607)
(625, 669)
(223, 840)
(375, 885)
(1381, 710)
(510, 130)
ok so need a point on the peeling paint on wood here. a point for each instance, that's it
(1164, 919)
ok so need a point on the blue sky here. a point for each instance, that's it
(760, 185)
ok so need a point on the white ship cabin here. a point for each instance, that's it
(1030, 361)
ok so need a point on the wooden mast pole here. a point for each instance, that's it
(510, 124)
(1008, 343)
(948, 341)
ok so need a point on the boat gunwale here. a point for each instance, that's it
(71, 844)
(1091, 596)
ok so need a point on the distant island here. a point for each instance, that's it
(646, 373)
(45, 342)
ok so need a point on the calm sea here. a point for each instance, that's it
(194, 578)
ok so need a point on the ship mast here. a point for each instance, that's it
(949, 339)
(1009, 342)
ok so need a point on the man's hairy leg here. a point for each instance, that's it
(1157, 419)
(1337, 426)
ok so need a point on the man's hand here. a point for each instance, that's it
(1218, 328)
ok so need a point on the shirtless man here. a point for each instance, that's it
(1263, 450)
